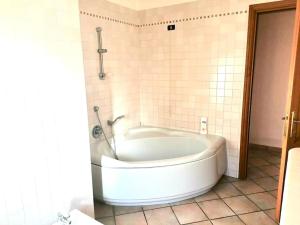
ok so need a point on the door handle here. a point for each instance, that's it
(285, 119)
(293, 122)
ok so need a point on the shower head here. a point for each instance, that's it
(96, 108)
(112, 122)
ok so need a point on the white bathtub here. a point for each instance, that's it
(158, 166)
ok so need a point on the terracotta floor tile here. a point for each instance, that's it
(274, 193)
(273, 159)
(263, 200)
(231, 179)
(147, 207)
(263, 153)
(257, 218)
(271, 214)
(267, 183)
(202, 223)
(253, 152)
(226, 190)
(191, 200)
(276, 153)
(215, 209)
(270, 170)
(207, 196)
(224, 180)
(247, 186)
(102, 210)
(131, 219)
(258, 162)
(241, 205)
(254, 172)
(107, 220)
(161, 216)
(189, 213)
(233, 220)
(119, 210)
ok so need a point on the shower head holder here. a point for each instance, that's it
(102, 76)
(96, 108)
(101, 51)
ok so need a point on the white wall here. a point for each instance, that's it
(142, 4)
(44, 146)
(271, 70)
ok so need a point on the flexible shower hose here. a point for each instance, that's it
(96, 109)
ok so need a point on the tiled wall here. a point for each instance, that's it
(196, 70)
(118, 94)
(44, 149)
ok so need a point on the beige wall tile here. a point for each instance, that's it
(170, 79)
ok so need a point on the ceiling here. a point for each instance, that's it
(147, 4)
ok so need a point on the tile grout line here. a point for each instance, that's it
(114, 214)
(258, 192)
(229, 206)
(204, 213)
(261, 210)
(175, 215)
(260, 184)
(270, 216)
(194, 202)
(145, 216)
(246, 195)
(269, 176)
(252, 179)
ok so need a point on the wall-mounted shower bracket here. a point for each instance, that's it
(102, 76)
(101, 51)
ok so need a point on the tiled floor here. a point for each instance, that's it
(231, 201)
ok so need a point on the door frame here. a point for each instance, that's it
(254, 11)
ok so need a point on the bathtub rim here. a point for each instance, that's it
(213, 142)
(109, 162)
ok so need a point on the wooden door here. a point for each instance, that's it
(291, 136)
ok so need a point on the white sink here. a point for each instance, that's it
(78, 218)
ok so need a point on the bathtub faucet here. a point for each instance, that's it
(112, 122)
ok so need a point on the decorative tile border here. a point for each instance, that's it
(108, 18)
(194, 18)
(164, 22)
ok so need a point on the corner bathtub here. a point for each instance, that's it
(158, 166)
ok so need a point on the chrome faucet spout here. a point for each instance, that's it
(112, 122)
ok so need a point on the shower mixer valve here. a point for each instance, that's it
(97, 131)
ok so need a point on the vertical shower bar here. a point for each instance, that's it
(100, 51)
